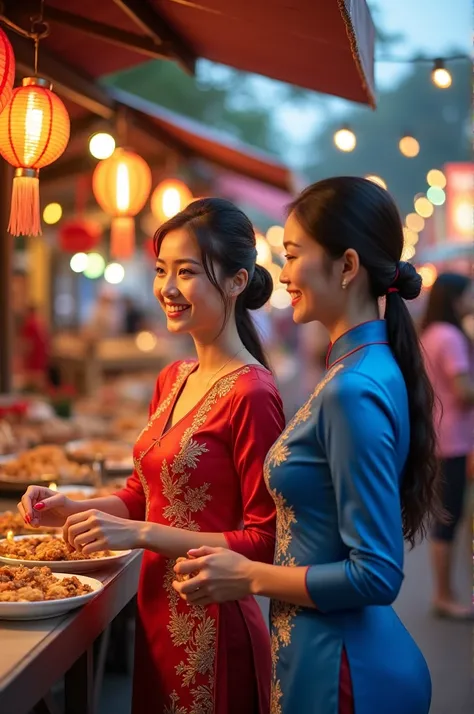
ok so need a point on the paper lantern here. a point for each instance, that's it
(121, 186)
(79, 235)
(7, 70)
(34, 132)
(169, 198)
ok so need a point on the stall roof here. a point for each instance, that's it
(155, 132)
(324, 46)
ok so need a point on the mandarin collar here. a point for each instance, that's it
(367, 333)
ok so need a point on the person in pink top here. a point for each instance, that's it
(449, 362)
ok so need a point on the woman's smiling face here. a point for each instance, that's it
(189, 300)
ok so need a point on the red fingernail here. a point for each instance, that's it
(38, 506)
(27, 519)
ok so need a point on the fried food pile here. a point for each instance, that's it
(48, 548)
(22, 584)
(42, 461)
(14, 522)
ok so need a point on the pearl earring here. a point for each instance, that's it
(344, 284)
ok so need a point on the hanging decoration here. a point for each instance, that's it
(34, 132)
(80, 234)
(169, 198)
(121, 186)
(7, 70)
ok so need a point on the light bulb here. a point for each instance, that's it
(424, 207)
(409, 146)
(435, 177)
(440, 76)
(95, 266)
(114, 273)
(52, 213)
(415, 222)
(78, 262)
(345, 139)
(102, 145)
(436, 195)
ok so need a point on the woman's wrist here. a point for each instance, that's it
(254, 577)
(147, 535)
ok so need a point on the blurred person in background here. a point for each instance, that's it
(106, 319)
(449, 360)
(133, 317)
(34, 349)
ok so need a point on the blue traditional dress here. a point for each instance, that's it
(335, 476)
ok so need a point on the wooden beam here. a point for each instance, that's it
(69, 82)
(147, 46)
(147, 126)
(87, 125)
(152, 24)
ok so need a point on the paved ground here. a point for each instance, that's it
(447, 646)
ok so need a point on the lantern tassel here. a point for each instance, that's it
(122, 237)
(25, 207)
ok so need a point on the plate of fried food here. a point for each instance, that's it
(53, 550)
(42, 464)
(37, 593)
(116, 455)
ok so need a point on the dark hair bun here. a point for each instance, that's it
(259, 289)
(408, 282)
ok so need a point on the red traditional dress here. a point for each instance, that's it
(205, 473)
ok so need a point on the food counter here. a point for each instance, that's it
(35, 654)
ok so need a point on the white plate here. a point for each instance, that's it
(67, 566)
(49, 608)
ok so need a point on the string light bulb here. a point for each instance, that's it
(435, 177)
(101, 145)
(424, 207)
(345, 139)
(409, 146)
(440, 76)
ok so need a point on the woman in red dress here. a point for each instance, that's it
(198, 474)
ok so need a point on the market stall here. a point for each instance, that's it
(75, 53)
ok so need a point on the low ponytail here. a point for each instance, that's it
(420, 497)
(255, 296)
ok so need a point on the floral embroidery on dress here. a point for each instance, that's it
(194, 628)
(183, 371)
(283, 613)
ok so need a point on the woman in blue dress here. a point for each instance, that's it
(353, 475)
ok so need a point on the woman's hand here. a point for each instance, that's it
(40, 506)
(222, 575)
(94, 530)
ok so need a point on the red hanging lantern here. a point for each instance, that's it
(79, 235)
(121, 186)
(34, 132)
(7, 70)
